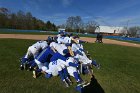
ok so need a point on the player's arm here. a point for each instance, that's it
(73, 64)
(70, 50)
(52, 47)
(74, 40)
(81, 41)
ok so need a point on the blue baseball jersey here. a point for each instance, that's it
(44, 55)
(57, 56)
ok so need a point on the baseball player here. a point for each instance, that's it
(60, 48)
(44, 57)
(72, 66)
(57, 67)
(33, 51)
(85, 61)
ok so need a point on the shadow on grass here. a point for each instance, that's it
(93, 87)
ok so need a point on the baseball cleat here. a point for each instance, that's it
(20, 60)
(25, 66)
(98, 66)
(34, 74)
(80, 83)
(21, 67)
(65, 83)
(69, 81)
(86, 84)
(30, 69)
(80, 68)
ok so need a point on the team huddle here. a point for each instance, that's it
(62, 55)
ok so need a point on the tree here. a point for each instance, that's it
(48, 25)
(13, 21)
(91, 26)
(62, 26)
(70, 23)
(21, 20)
(132, 31)
(78, 23)
(74, 23)
(54, 28)
(29, 20)
(4, 12)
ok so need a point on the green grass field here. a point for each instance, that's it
(119, 73)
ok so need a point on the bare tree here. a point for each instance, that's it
(74, 23)
(91, 26)
(62, 26)
(78, 23)
(132, 31)
(70, 23)
(4, 16)
(4, 10)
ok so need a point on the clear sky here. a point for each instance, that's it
(105, 12)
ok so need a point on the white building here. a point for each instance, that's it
(138, 34)
(108, 29)
(61, 29)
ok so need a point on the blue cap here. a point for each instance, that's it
(61, 32)
(55, 38)
(49, 39)
(66, 51)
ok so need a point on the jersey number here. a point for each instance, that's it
(54, 62)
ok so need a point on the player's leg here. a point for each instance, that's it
(43, 70)
(65, 72)
(95, 64)
(32, 65)
(78, 78)
(86, 60)
(22, 62)
(36, 73)
(38, 63)
(62, 77)
(47, 72)
(34, 51)
(73, 72)
(25, 58)
(63, 65)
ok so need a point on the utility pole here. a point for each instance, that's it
(127, 26)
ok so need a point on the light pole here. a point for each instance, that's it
(127, 27)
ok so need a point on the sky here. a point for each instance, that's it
(105, 12)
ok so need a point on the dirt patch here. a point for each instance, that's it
(44, 37)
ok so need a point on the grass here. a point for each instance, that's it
(120, 67)
(119, 71)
